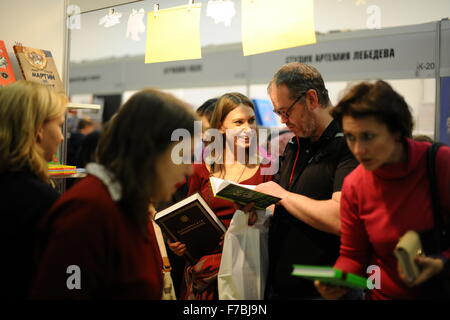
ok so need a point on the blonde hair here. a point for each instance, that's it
(25, 107)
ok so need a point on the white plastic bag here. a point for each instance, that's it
(243, 267)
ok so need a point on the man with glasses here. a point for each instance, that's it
(305, 226)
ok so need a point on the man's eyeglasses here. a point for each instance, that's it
(287, 112)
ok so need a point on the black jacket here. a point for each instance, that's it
(320, 171)
(25, 199)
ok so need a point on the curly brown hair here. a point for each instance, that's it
(379, 100)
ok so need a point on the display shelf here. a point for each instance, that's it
(72, 105)
(81, 173)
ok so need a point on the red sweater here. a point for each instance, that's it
(378, 207)
(86, 228)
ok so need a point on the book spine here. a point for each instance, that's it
(17, 50)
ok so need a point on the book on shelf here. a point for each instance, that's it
(329, 275)
(241, 193)
(56, 169)
(38, 65)
(192, 222)
(6, 70)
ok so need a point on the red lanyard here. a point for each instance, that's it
(295, 162)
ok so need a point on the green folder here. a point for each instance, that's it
(329, 275)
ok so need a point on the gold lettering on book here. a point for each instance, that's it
(191, 227)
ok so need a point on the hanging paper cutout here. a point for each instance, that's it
(111, 19)
(135, 24)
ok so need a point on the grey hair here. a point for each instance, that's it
(298, 78)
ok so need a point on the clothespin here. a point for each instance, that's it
(155, 9)
(190, 3)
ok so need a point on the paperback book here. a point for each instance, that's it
(241, 193)
(330, 275)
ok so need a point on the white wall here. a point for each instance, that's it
(38, 24)
(94, 42)
(418, 93)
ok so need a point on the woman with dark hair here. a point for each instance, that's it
(31, 116)
(100, 230)
(234, 123)
(388, 194)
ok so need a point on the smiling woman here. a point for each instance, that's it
(234, 119)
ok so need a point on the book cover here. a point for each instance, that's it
(330, 275)
(38, 65)
(61, 169)
(6, 71)
(241, 193)
(192, 222)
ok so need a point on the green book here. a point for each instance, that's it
(240, 193)
(329, 275)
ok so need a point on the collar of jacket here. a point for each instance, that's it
(107, 177)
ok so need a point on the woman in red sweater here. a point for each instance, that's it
(98, 241)
(388, 193)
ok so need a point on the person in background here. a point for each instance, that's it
(305, 225)
(423, 138)
(234, 113)
(101, 226)
(31, 116)
(283, 137)
(87, 151)
(388, 194)
(84, 127)
(205, 112)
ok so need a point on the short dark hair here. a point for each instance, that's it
(207, 108)
(140, 132)
(298, 78)
(378, 100)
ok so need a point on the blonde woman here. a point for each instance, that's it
(31, 116)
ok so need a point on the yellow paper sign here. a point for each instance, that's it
(173, 34)
(269, 25)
